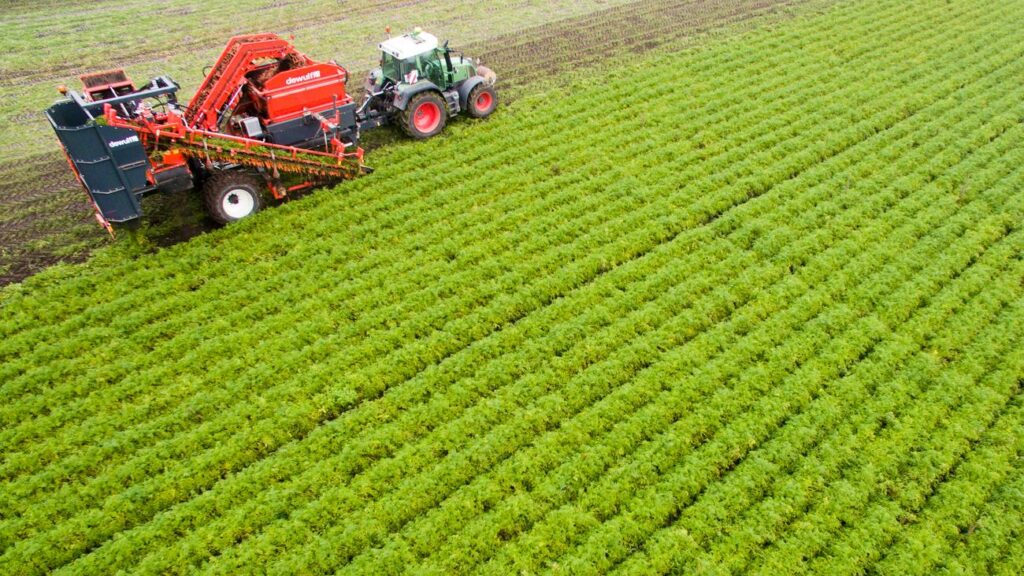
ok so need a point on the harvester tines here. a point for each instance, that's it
(309, 164)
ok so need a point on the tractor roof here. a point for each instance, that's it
(409, 45)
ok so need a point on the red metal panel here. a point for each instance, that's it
(315, 87)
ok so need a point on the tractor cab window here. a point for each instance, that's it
(391, 67)
(432, 67)
(397, 70)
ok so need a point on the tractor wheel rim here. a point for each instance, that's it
(238, 203)
(483, 102)
(426, 117)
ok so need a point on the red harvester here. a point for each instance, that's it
(266, 118)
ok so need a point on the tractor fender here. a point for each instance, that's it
(467, 86)
(405, 93)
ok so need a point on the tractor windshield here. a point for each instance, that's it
(397, 70)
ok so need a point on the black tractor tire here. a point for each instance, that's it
(232, 195)
(425, 116)
(482, 101)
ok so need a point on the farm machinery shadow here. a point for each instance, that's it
(172, 218)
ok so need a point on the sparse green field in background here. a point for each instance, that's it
(742, 303)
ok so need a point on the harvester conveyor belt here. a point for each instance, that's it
(210, 147)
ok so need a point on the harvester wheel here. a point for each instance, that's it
(482, 101)
(425, 115)
(232, 195)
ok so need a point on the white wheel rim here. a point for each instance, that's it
(238, 203)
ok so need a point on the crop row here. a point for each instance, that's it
(985, 539)
(911, 477)
(538, 52)
(505, 517)
(952, 510)
(85, 435)
(665, 499)
(882, 176)
(809, 457)
(636, 8)
(169, 305)
(100, 459)
(733, 554)
(596, 359)
(409, 211)
(139, 280)
(332, 508)
(613, 491)
(101, 404)
(526, 546)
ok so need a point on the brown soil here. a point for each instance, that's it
(520, 60)
(550, 50)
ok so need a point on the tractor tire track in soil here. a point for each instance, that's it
(50, 201)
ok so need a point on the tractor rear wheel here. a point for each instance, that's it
(425, 116)
(232, 195)
(482, 101)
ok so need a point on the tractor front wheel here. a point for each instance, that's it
(482, 101)
(425, 116)
(232, 195)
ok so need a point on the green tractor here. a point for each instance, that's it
(420, 85)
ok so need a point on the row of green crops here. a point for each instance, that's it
(756, 306)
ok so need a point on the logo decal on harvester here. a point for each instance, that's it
(309, 76)
(127, 140)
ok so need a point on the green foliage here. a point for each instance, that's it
(759, 312)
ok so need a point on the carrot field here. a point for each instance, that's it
(745, 302)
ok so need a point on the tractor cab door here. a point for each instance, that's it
(432, 66)
(435, 66)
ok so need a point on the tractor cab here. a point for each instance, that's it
(410, 57)
(421, 83)
(413, 57)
